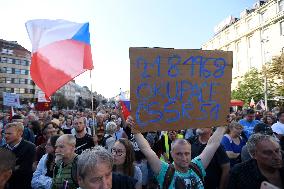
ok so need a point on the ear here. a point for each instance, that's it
(80, 181)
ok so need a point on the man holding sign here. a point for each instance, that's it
(174, 89)
(184, 172)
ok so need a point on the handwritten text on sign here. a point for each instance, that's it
(178, 89)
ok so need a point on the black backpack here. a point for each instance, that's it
(171, 171)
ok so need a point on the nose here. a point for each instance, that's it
(105, 183)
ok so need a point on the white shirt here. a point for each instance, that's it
(278, 128)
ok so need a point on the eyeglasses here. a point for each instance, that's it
(117, 152)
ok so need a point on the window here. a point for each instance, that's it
(2, 79)
(27, 72)
(9, 70)
(281, 5)
(250, 24)
(23, 62)
(282, 28)
(4, 51)
(22, 81)
(8, 80)
(22, 90)
(249, 41)
(17, 71)
(10, 60)
(264, 16)
(23, 72)
(9, 90)
(16, 80)
(16, 90)
(10, 51)
(17, 62)
(3, 59)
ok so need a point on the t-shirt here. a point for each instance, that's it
(214, 170)
(248, 126)
(278, 128)
(229, 145)
(190, 178)
(84, 143)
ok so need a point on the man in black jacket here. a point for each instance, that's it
(25, 154)
(266, 164)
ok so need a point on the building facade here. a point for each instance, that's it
(255, 38)
(15, 71)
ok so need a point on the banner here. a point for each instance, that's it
(173, 89)
(41, 97)
(11, 99)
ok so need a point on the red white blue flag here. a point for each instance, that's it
(61, 51)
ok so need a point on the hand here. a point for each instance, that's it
(131, 123)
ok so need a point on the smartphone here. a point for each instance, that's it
(267, 185)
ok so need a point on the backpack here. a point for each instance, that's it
(171, 171)
(73, 171)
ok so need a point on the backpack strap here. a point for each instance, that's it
(169, 176)
(196, 169)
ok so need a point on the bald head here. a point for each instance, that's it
(179, 142)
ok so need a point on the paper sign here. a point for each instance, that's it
(173, 89)
(11, 99)
(41, 97)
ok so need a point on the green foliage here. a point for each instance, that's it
(275, 73)
(251, 86)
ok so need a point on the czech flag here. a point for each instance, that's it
(61, 51)
(125, 105)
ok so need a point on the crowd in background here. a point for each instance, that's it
(59, 149)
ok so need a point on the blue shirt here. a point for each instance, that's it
(229, 145)
(248, 126)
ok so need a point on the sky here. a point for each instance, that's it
(116, 25)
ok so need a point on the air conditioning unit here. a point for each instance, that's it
(259, 3)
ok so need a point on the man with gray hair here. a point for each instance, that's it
(94, 171)
(65, 160)
(266, 164)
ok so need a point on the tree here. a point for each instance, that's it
(275, 72)
(250, 87)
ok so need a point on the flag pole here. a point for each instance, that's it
(93, 116)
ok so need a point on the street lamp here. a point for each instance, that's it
(263, 41)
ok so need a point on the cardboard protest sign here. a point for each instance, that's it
(173, 89)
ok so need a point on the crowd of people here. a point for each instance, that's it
(93, 150)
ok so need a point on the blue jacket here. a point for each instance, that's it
(39, 180)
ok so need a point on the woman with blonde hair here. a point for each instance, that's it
(233, 142)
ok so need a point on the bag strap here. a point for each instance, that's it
(169, 176)
(196, 169)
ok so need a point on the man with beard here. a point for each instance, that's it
(265, 165)
(64, 175)
(83, 139)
